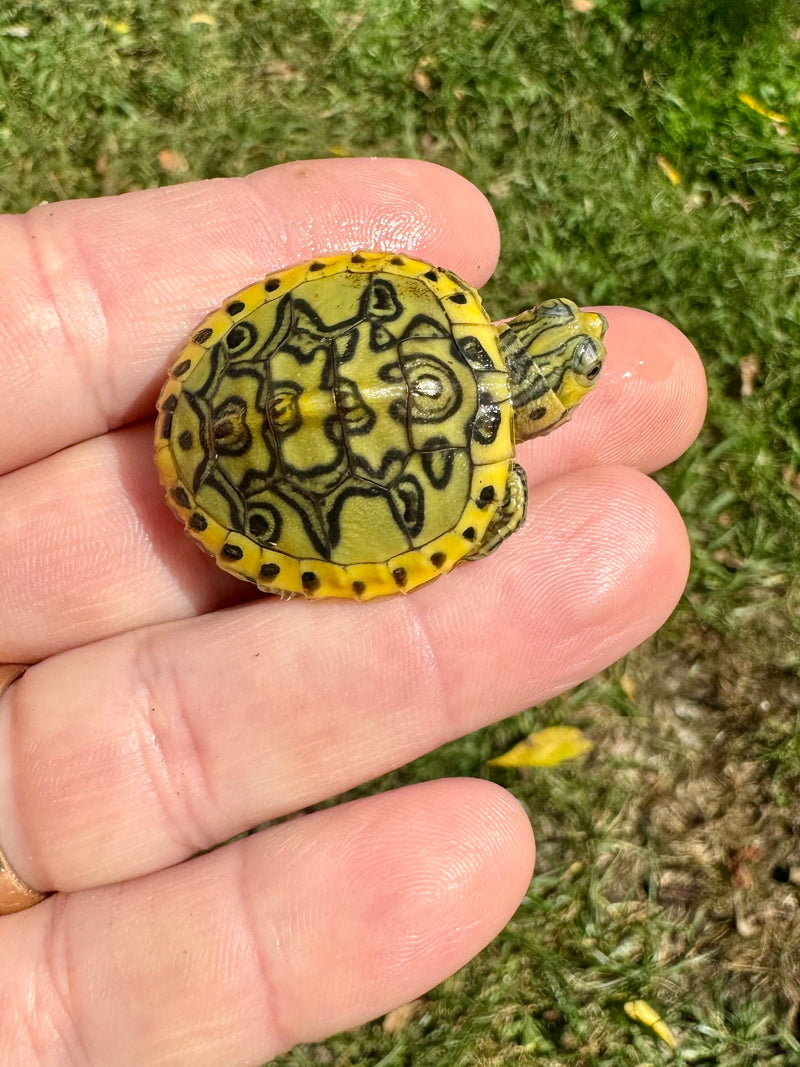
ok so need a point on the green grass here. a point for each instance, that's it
(668, 861)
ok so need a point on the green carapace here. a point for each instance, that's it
(347, 427)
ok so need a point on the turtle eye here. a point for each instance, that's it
(586, 360)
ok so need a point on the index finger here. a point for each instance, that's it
(97, 293)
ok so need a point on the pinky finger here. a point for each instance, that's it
(295, 933)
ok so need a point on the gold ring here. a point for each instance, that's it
(15, 895)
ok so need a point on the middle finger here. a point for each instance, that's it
(90, 549)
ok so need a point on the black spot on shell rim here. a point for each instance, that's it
(310, 581)
(181, 497)
(181, 368)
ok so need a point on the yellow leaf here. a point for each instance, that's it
(628, 686)
(202, 18)
(641, 1012)
(670, 171)
(118, 27)
(547, 748)
(760, 109)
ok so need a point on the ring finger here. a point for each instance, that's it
(132, 753)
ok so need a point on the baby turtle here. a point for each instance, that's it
(347, 427)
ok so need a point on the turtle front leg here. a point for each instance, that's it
(508, 516)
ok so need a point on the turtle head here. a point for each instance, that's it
(554, 354)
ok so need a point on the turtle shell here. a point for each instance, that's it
(341, 428)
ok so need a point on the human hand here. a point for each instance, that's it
(170, 709)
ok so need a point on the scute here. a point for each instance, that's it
(342, 428)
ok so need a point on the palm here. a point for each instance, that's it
(167, 724)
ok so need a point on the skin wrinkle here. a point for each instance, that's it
(430, 675)
(30, 1022)
(310, 916)
(444, 709)
(58, 968)
(262, 946)
(76, 297)
(274, 945)
(213, 214)
(15, 814)
(264, 209)
(67, 567)
(36, 1008)
(21, 365)
(287, 249)
(175, 788)
(250, 631)
(19, 1012)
